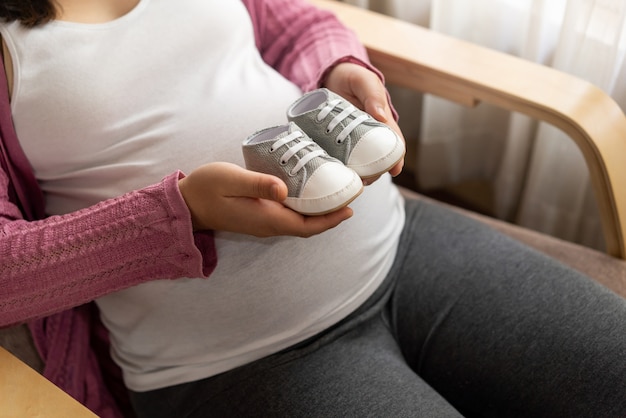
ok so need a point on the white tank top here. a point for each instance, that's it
(101, 109)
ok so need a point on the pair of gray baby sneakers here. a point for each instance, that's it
(324, 153)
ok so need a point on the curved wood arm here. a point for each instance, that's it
(434, 63)
(26, 393)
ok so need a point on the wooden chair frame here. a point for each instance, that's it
(423, 60)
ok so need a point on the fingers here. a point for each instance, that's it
(266, 218)
(373, 95)
(281, 220)
(368, 90)
(226, 197)
(397, 169)
(313, 225)
(263, 186)
(285, 221)
(239, 182)
(381, 111)
(376, 103)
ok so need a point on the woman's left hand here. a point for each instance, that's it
(364, 89)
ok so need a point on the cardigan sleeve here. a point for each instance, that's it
(303, 42)
(63, 261)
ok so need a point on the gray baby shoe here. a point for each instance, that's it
(352, 136)
(317, 182)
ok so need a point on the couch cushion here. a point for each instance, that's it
(18, 341)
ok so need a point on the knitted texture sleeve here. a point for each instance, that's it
(64, 261)
(302, 42)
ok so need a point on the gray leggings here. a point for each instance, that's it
(468, 323)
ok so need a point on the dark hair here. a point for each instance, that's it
(28, 12)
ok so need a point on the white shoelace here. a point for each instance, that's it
(284, 159)
(340, 117)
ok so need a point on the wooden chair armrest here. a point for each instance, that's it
(430, 62)
(24, 392)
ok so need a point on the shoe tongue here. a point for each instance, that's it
(292, 127)
(331, 95)
(327, 97)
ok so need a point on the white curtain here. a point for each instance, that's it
(538, 175)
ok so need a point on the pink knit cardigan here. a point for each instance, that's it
(52, 268)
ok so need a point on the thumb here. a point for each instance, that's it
(378, 107)
(373, 95)
(263, 186)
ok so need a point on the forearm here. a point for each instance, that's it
(64, 261)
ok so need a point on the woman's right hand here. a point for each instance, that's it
(226, 197)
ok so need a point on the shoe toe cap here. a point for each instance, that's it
(330, 187)
(377, 151)
(328, 179)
